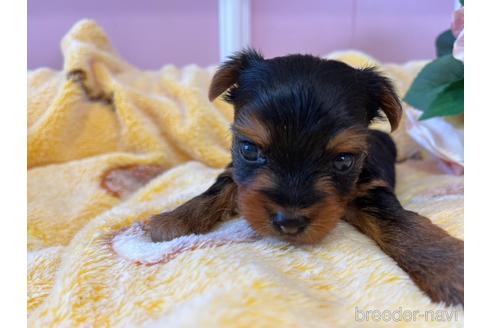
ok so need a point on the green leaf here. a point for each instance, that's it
(432, 80)
(462, 2)
(449, 102)
(444, 43)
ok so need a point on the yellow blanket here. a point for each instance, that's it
(109, 145)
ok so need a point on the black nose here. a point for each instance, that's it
(289, 225)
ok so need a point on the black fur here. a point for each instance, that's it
(381, 158)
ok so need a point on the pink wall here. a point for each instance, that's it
(390, 30)
(151, 33)
(148, 33)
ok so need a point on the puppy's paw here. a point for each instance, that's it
(444, 282)
(166, 226)
(448, 292)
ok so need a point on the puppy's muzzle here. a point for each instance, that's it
(289, 225)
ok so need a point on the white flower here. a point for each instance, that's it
(458, 29)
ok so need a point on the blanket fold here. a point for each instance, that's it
(109, 145)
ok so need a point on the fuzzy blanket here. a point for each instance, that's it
(109, 145)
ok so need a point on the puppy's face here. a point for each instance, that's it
(299, 142)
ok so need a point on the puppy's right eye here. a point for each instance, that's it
(251, 153)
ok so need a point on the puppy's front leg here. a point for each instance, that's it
(199, 214)
(432, 258)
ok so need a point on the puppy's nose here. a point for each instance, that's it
(289, 225)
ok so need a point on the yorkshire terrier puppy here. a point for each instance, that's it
(303, 158)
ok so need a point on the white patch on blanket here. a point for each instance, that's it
(135, 245)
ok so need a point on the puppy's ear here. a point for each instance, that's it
(228, 73)
(382, 96)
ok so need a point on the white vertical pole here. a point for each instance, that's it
(234, 26)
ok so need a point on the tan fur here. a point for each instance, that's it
(255, 206)
(324, 218)
(197, 215)
(352, 140)
(364, 189)
(391, 106)
(258, 210)
(223, 79)
(251, 128)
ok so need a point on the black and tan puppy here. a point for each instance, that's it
(303, 158)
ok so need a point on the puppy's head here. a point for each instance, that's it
(299, 138)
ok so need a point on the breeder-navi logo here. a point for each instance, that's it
(406, 315)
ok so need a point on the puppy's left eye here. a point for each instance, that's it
(251, 153)
(343, 162)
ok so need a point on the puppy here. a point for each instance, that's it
(303, 159)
